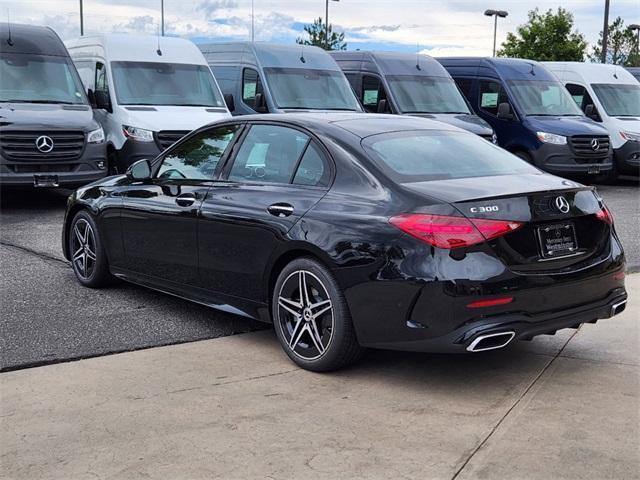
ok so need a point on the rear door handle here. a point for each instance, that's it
(186, 199)
(280, 209)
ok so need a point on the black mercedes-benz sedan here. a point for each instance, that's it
(352, 230)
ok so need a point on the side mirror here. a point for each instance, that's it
(230, 102)
(260, 104)
(102, 100)
(591, 112)
(383, 106)
(92, 98)
(140, 170)
(504, 111)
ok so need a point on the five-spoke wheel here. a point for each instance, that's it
(86, 252)
(311, 318)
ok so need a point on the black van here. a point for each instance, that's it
(409, 84)
(48, 136)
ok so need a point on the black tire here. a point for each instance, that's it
(339, 346)
(112, 162)
(608, 178)
(87, 253)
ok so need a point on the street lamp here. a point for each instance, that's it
(326, 24)
(495, 14)
(636, 27)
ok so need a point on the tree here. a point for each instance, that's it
(621, 46)
(547, 36)
(317, 31)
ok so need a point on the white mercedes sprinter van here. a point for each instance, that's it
(148, 91)
(610, 95)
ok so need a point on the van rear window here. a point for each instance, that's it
(423, 155)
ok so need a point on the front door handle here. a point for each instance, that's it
(280, 209)
(186, 199)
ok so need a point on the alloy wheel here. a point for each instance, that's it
(83, 246)
(305, 315)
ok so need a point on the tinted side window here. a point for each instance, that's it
(251, 86)
(313, 169)
(464, 84)
(268, 154)
(579, 95)
(370, 92)
(101, 78)
(491, 95)
(197, 158)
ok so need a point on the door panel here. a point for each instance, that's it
(238, 234)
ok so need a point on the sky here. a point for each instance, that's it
(454, 27)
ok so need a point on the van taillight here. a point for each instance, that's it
(605, 215)
(450, 232)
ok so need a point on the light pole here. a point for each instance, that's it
(81, 20)
(605, 32)
(162, 17)
(326, 24)
(636, 27)
(495, 14)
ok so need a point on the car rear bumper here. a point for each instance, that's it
(523, 326)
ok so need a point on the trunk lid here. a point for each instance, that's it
(560, 229)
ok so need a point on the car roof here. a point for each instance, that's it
(268, 54)
(395, 63)
(30, 39)
(143, 48)
(593, 72)
(359, 124)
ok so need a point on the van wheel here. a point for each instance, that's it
(88, 256)
(311, 318)
(112, 162)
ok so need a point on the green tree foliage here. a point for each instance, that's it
(316, 32)
(546, 37)
(621, 46)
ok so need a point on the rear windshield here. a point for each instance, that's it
(423, 155)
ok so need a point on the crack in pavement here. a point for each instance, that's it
(515, 404)
(42, 255)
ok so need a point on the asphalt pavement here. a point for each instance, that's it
(47, 317)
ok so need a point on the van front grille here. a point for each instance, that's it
(166, 138)
(56, 145)
(592, 146)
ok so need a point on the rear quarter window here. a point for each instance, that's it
(424, 155)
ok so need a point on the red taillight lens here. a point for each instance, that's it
(605, 215)
(490, 303)
(444, 231)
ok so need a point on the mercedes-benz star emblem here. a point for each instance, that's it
(562, 204)
(44, 144)
(595, 144)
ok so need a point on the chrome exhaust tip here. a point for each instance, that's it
(491, 341)
(619, 307)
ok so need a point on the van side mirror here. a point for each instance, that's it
(260, 104)
(383, 106)
(92, 98)
(230, 102)
(140, 170)
(102, 100)
(591, 112)
(504, 111)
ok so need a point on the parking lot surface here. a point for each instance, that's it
(558, 407)
(47, 317)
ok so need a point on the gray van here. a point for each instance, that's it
(409, 84)
(48, 136)
(272, 78)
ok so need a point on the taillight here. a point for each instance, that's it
(446, 231)
(605, 215)
(490, 303)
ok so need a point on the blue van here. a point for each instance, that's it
(409, 84)
(532, 114)
(272, 78)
